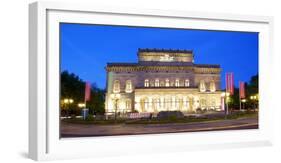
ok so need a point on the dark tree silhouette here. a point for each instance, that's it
(73, 87)
(251, 88)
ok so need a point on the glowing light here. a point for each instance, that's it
(81, 105)
(71, 101)
(227, 94)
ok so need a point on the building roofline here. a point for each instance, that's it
(121, 64)
(164, 50)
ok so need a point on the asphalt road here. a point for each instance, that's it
(88, 130)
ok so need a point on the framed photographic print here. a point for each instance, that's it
(128, 81)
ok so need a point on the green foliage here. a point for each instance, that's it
(251, 88)
(73, 87)
(89, 117)
(253, 85)
(96, 103)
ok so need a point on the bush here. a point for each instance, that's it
(172, 115)
(90, 117)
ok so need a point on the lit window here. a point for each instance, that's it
(167, 83)
(212, 86)
(177, 102)
(177, 84)
(146, 83)
(202, 86)
(213, 102)
(203, 102)
(157, 104)
(146, 104)
(116, 86)
(128, 86)
(186, 83)
(157, 84)
(162, 84)
(128, 104)
(185, 102)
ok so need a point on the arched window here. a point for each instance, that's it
(128, 104)
(129, 88)
(116, 86)
(212, 86)
(177, 83)
(146, 104)
(186, 83)
(213, 102)
(157, 84)
(156, 104)
(177, 102)
(203, 102)
(146, 83)
(167, 83)
(202, 86)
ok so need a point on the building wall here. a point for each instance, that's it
(165, 56)
(182, 99)
(140, 92)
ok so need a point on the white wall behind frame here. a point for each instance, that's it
(121, 144)
(13, 34)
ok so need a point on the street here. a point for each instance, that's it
(87, 130)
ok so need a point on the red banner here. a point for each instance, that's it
(229, 81)
(242, 89)
(87, 91)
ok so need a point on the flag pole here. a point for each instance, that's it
(240, 103)
(86, 98)
(240, 95)
(226, 83)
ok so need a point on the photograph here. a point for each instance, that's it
(133, 80)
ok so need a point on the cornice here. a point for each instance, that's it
(162, 68)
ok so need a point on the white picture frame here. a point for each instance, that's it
(44, 140)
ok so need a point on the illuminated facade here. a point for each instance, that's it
(162, 80)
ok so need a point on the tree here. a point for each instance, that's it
(253, 85)
(73, 87)
(234, 99)
(251, 88)
(96, 103)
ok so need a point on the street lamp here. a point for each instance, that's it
(243, 101)
(67, 102)
(115, 97)
(81, 105)
(254, 98)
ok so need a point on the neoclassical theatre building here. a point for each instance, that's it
(162, 80)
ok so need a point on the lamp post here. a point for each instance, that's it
(225, 96)
(81, 105)
(254, 98)
(67, 102)
(243, 101)
(115, 97)
(84, 111)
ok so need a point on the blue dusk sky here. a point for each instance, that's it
(85, 49)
